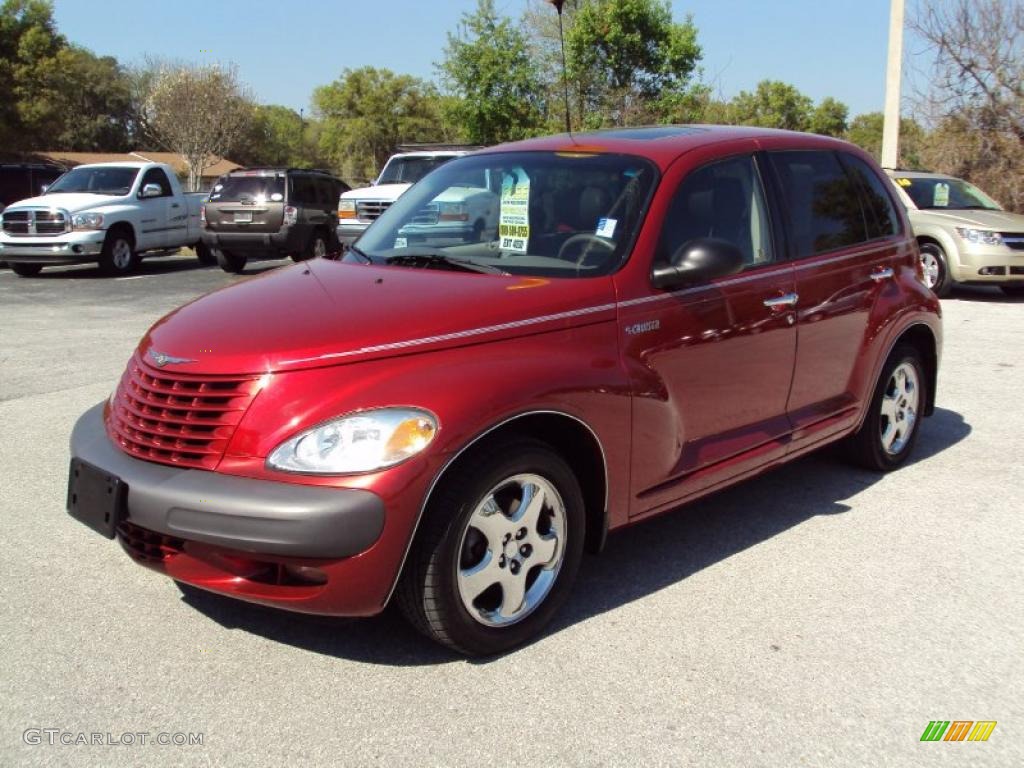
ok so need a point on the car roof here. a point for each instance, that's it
(661, 143)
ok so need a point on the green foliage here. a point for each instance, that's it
(629, 61)
(866, 132)
(367, 112)
(773, 104)
(828, 118)
(488, 68)
(277, 135)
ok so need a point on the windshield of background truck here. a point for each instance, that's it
(946, 194)
(545, 214)
(409, 170)
(259, 189)
(109, 180)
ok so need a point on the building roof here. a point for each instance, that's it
(176, 161)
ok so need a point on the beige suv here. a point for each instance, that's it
(964, 236)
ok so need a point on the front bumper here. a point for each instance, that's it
(234, 513)
(989, 264)
(71, 248)
(349, 231)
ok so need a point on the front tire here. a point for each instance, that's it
(498, 549)
(889, 432)
(935, 267)
(204, 254)
(26, 270)
(229, 261)
(118, 256)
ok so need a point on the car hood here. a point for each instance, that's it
(69, 201)
(379, 192)
(1001, 221)
(323, 313)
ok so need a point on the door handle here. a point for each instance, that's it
(778, 302)
(882, 274)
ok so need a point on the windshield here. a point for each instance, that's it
(409, 170)
(544, 214)
(946, 193)
(257, 188)
(108, 180)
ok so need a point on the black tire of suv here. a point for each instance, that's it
(117, 240)
(864, 447)
(1013, 290)
(230, 261)
(26, 270)
(428, 592)
(204, 254)
(318, 237)
(944, 284)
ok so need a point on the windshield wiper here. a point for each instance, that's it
(430, 258)
(358, 252)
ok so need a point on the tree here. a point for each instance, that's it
(628, 59)
(368, 112)
(773, 104)
(488, 67)
(828, 118)
(277, 135)
(866, 132)
(197, 111)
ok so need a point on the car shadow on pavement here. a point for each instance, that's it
(983, 294)
(148, 267)
(637, 561)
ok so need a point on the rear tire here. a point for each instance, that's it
(26, 270)
(315, 249)
(887, 437)
(230, 261)
(936, 269)
(118, 256)
(204, 254)
(488, 568)
(1013, 291)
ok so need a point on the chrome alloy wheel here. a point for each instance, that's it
(121, 254)
(899, 408)
(931, 268)
(511, 550)
(319, 248)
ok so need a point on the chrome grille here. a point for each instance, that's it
(427, 214)
(42, 221)
(1014, 240)
(370, 210)
(178, 419)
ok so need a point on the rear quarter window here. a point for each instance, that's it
(880, 212)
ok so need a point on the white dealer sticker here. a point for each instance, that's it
(606, 228)
(514, 220)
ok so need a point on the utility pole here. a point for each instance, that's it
(893, 75)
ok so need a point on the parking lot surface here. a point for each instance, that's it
(819, 615)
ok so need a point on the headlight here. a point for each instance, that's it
(981, 236)
(452, 212)
(359, 442)
(87, 221)
(347, 209)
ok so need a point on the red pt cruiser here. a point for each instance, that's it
(538, 343)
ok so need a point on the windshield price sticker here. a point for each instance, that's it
(904, 182)
(941, 196)
(606, 228)
(514, 221)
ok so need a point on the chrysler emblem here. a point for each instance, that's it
(161, 359)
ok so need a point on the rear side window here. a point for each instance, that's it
(879, 210)
(822, 201)
(234, 189)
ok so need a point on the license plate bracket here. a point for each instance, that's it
(95, 497)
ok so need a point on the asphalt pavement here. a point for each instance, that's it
(819, 615)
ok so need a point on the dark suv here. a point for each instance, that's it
(271, 212)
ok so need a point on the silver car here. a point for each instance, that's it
(964, 235)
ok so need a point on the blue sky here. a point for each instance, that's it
(284, 49)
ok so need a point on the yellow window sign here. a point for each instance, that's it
(514, 220)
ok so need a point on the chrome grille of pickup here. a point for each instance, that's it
(42, 221)
(178, 419)
(1014, 240)
(370, 210)
(427, 214)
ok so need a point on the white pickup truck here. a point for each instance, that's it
(110, 213)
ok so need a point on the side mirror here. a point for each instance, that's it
(697, 262)
(42, 189)
(151, 190)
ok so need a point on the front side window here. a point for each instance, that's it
(723, 200)
(105, 180)
(822, 200)
(158, 177)
(554, 214)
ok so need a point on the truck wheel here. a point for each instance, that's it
(497, 551)
(889, 432)
(316, 249)
(204, 254)
(230, 261)
(936, 269)
(118, 256)
(26, 270)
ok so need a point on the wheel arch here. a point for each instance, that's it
(123, 226)
(922, 338)
(571, 437)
